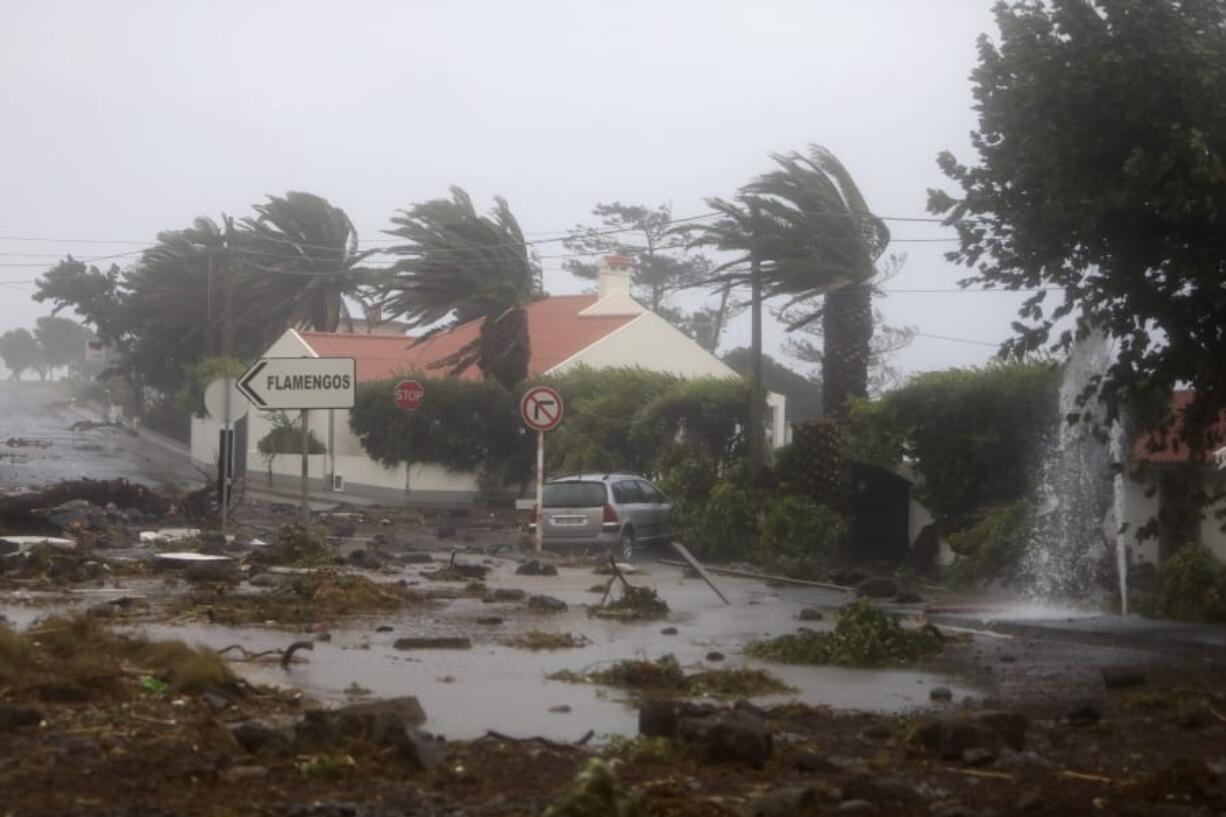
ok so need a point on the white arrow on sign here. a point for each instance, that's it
(275, 383)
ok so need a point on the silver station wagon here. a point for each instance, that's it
(610, 512)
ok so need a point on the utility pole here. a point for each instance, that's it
(227, 455)
(756, 429)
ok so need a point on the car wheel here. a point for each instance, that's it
(625, 547)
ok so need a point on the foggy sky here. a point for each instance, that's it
(122, 119)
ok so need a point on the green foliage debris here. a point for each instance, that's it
(541, 640)
(864, 636)
(595, 793)
(1192, 587)
(665, 675)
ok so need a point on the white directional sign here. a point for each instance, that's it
(300, 383)
(541, 408)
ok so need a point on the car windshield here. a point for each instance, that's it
(574, 495)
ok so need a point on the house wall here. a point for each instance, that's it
(1139, 509)
(639, 343)
(642, 342)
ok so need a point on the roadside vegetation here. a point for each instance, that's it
(864, 636)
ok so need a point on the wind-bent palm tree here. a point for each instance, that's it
(802, 231)
(300, 261)
(467, 266)
(844, 241)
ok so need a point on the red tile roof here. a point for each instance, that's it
(1175, 451)
(555, 328)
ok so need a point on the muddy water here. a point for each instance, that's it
(39, 417)
(491, 686)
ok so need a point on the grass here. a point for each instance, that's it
(541, 640)
(314, 597)
(79, 656)
(665, 675)
(634, 603)
(864, 637)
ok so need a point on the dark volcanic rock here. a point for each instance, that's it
(15, 717)
(1116, 678)
(878, 588)
(546, 604)
(810, 614)
(442, 643)
(534, 567)
(881, 790)
(783, 802)
(735, 736)
(256, 736)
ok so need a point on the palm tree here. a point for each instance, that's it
(466, 266)
(300, 261)
(802, 231)
(845, 240)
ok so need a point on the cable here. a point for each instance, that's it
(957, 340)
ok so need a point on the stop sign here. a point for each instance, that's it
(408, 394)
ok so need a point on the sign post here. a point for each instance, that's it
(222, 403)
(541, 409)
(300, 383)
(408, 395)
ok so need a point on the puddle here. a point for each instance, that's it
(491, 686)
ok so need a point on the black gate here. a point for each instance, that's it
(880, 507)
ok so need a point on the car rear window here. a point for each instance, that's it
(574, 495)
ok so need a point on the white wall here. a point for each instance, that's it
(1211, 534)
(1138, 510)
(653, 343)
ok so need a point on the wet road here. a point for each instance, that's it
(492, 686)
(37, 445)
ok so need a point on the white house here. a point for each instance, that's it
(607, 329)
(1162, 489)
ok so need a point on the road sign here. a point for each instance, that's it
(274, 383)
(215, 400)
(408, 394)
(541, 408)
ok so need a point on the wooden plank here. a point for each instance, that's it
(745, 574)
(702, 571)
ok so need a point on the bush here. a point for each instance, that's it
(724, 526)
(1192, 587)
(992, 548)
(797, 527)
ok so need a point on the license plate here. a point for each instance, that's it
(569, 521)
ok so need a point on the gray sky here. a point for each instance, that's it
(125, 118)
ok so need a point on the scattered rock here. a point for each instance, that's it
(941, 694)
(416, 557)
(489, 621)
(810, 614)
(15, 717)
(877, 588)
(560, 709)
(264, 580)
(990, 731)
(438, 643)
(715, 656)
(956, 811)
(669, 631)
(978, 757)
(783, 802)
(853, 807)
(236, 774)
(384, 628)
(534, 567)
(877, 731)
(881, 790)
(660, 717)
(908, 597)
(546, 604)
(1116, 678)
(736, 736)
(1008, 659)
(1010, 759)
(366, 560)
(509, 594)
(1085, 713)
(256, 736)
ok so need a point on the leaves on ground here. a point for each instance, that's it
(864, 636)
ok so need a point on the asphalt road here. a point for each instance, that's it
(39, 447)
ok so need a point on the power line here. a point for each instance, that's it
(957, 340)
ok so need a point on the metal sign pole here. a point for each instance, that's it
(227, 457)
(540, 487)
(306, 451)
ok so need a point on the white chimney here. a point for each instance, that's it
(613, 276)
